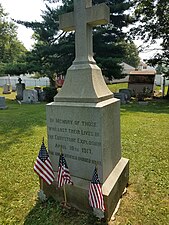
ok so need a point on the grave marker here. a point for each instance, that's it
(85, 119)
(2, 103)
(20, 87)
(30, 96)
(6, 89)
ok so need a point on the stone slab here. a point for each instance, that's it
(122, 96)
(114, 186)
(6, 89)
(2, 103)
(126, 91)
(89, 134)
(20, 87)
(30, 96)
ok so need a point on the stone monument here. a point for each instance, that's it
(30, 96)
(2, 103)
(20, 87)
(6, 89)
(85, 119)
(122, 96)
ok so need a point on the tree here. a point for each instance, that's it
(131, 55)
(153, 16)
(54, 52)
(11, 49)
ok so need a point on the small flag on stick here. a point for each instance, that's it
(63, 172)
(43, 165)
(95, 192)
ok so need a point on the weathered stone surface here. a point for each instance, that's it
(77, 194)
(84, 81)
(85, 120)
(89, 134)
(2, 103)
(30, 96)
(20, 87)
(122, 96)
(127, 91)
(6, 89)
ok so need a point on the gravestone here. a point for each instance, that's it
(30, 96)
(2, 103)
(6, 89)
(40, 93)
(13, 88)
(85, 119)
(127, 91)
(122, 96)
(20, 87)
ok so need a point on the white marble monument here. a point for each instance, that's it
(85, 119)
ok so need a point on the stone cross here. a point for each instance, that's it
(84, 17)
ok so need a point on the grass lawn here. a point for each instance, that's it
(116, 87)
(144, 136)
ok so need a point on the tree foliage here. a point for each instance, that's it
(54, 51)
(153, 16)
(11, 49)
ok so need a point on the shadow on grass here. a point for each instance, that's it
(23, 116)
(51, 213)
(153, 106)
(21, 121)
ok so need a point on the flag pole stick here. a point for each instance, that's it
(65, 197)
(41, 180)
(41, 184)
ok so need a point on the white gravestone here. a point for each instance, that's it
(85, 119)
(30, 96)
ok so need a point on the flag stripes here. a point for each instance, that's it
(95, 192)
(44, 170)
(63, 172)
(43, 166)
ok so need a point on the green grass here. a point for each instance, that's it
(116, 87)
(144, 136)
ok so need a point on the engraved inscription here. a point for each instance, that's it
(80, 139)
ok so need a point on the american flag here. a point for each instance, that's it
(43, 165)
(63, 172)
(95, 192)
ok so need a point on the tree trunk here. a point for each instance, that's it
(167, 96)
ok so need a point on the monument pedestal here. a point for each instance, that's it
(77, 195)
(89, 134)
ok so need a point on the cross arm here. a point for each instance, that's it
(98, 14)
(66, 22)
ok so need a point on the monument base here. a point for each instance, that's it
(77, 194)
(73, 89)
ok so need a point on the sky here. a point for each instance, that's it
(26, 10)
(31, 10)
